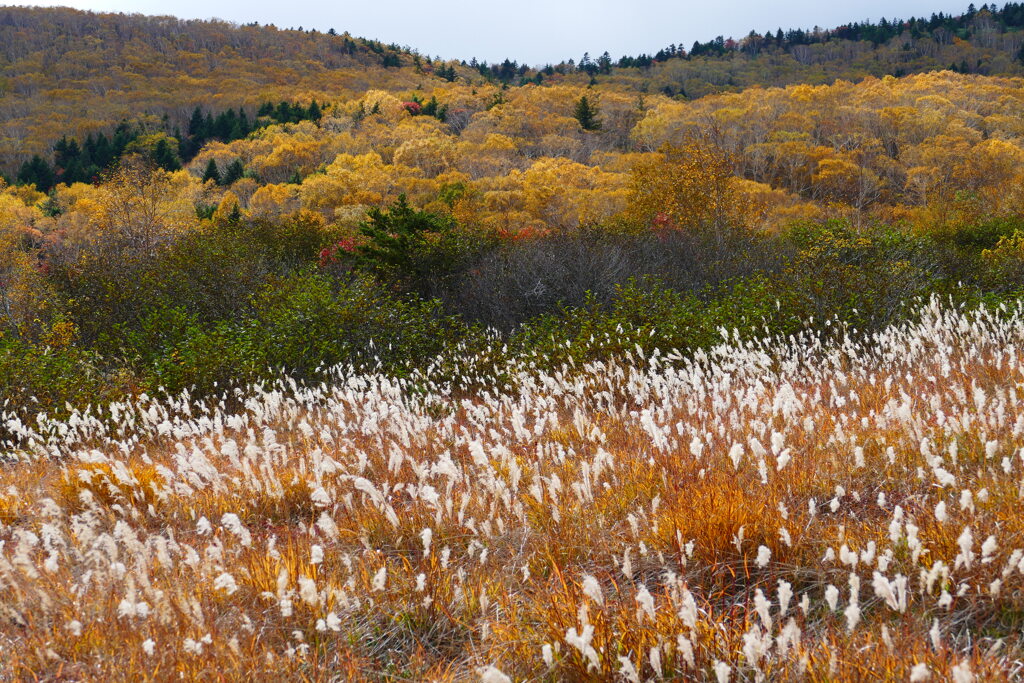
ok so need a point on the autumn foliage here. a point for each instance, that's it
(685, 188)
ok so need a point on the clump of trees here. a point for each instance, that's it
(79, 163)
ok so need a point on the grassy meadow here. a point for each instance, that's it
(807, 508)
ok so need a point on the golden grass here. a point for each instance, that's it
(352, 532)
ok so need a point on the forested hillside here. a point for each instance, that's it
(980, 41)
(69, 72)
(66, 72)
(923, 149)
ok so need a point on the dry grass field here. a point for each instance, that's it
(798, 509)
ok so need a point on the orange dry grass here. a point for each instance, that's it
(687, 522)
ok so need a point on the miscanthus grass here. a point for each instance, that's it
(786, 509)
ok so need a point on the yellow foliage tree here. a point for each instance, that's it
(563, 194)
(358, 179)
(271, 201)
(24, 292)
(685, 188)
(433, 155)
(840, 179)
(139, 208)
(228, 205)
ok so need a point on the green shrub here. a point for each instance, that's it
(290, 243)
(417, 251)
(645, 315)
(865, 277)
(47, 377)
(1004, 265)
(301, 324)
(210, 273)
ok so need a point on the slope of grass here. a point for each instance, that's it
(773, 509)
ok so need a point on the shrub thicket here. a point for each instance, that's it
(241, 299)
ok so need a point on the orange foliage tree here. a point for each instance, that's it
(686, 187)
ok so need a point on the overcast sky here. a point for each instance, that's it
(535, 31)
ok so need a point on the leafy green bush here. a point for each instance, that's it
(983, 235)
(1004, 265)
(865, 277)
(308, 321)
(645, 315)
(211, 274)
(416, 250)
(300, 325)
(45, 378)
(291, 243)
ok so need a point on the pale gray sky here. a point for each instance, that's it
(535, 31)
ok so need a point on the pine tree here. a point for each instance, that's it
(104, 154)
(447, 73)
(61, 153)
(196, 123)
(211, 172)
(283, 113)
(123, 135)
(37, 172)
(73, 172)
(585, 63)
(399, 245)
(222, 125)
(165, 157)
(435, 109)
(314, 113)
(89, 149)
(586, 114)
(234, 172)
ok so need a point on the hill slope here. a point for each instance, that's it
(986, 41)
(68, 72)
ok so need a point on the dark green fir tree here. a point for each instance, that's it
(586, 113)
